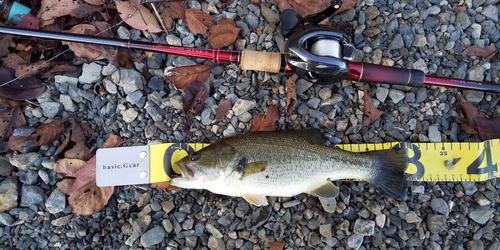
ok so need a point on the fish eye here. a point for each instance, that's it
(195, 156)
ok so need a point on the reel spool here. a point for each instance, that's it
(319, 54)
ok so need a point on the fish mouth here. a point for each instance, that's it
(187, 171)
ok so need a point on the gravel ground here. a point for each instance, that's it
(427, 35)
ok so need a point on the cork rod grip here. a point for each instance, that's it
(261, 61)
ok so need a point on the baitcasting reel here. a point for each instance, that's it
(317, 53)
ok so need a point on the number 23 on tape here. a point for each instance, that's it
(445, 161)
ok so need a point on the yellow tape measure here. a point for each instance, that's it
(443, 161)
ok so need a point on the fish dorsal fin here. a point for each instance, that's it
(314, 136)
(254, 167)
(328, 190)
(256, 199)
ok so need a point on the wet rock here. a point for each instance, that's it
(482, 215)
(153, 236)
(436, 223)
(50, 109)
(56, 202)
(8, 193)
(242, 106)
(24, 161)
(91, 73)
(130, 80)
(31, 195)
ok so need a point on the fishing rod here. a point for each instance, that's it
(316, 53)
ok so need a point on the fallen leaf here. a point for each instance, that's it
(370, 112)
(265, 122)
(466, 127)
(80, 49)
(11, 117)
(95, 2)
(223, 34)
(60, 68)
(52, 9)
(85, 197)
(486, 53)
(5, 43)
(19, 89)
(173, 10)
(14, 143)
(65, 185)
(198, 21)
(193, 98)
(221, 111)
(74, 145)
(488, 128)
(277, 245)
(112, 141)
(471, 111)
(123, 59)
(137, 16)
(47, 132)
(291, 95)
(68, 167)
(182, 76)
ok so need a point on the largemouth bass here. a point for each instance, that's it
(285, 164)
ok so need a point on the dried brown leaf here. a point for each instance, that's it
(20, 89)
(14, 143)
(74, 145)
(488, 128)
(80, 49)
(11, 117)
(221, 111)
(486, 53)
(370, 112)
(194, 96)
(140, 17)
(471, 112)
(47, 132)
(277, 245)
(52, 9)
(67, 167)
(180, 77)
(198, 21)
(173, 10)
(112, 141)
(85, 197)
(60, 68)
(223, 34)
(291, 95)
(265, 122)
(123, 59)
(65, 185)
(466, 127)
(95, 2)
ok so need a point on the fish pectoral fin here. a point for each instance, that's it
(256, 199)
(328, 190)
(254, 167)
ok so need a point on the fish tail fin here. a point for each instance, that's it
(388, 172)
